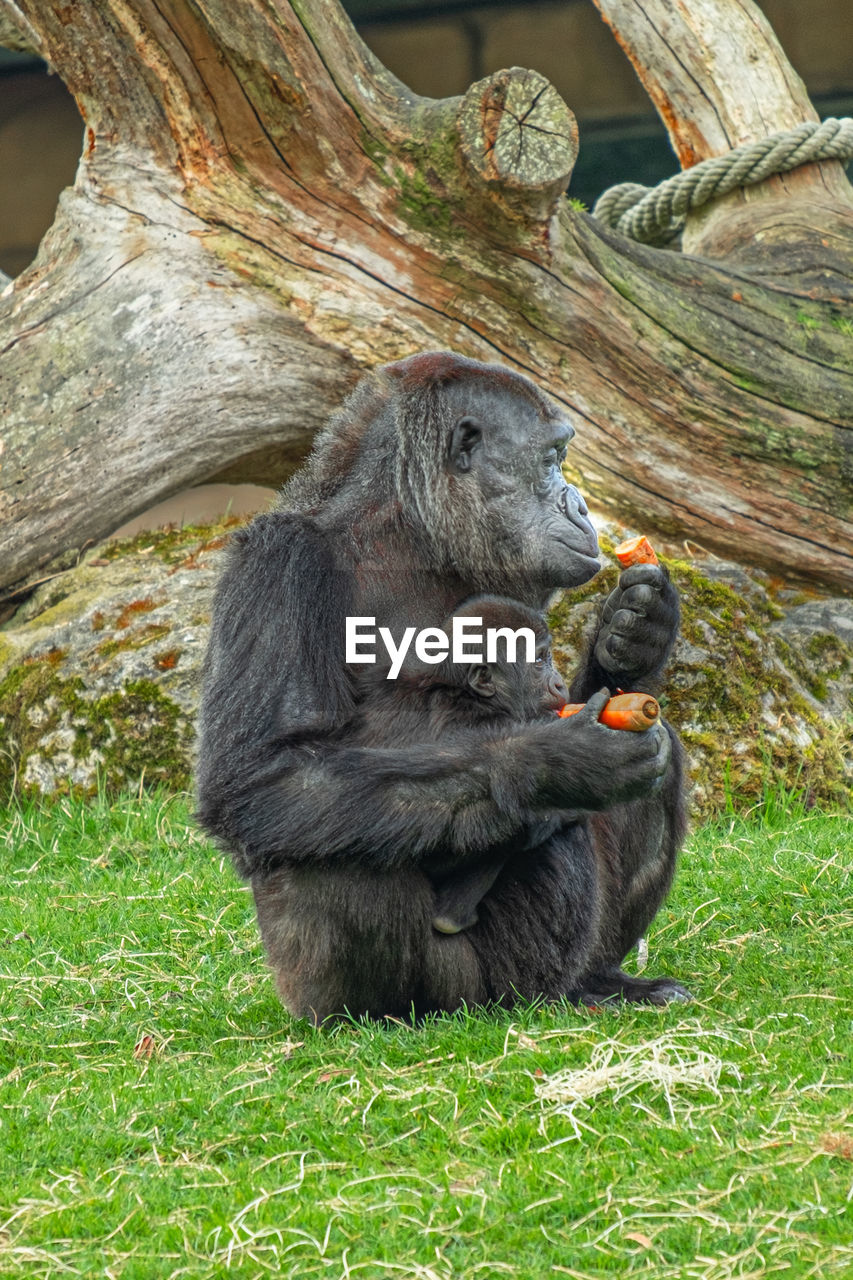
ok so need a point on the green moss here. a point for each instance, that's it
(137, 639)
(425, 209)
(843, 324)
(175, 544)
(435, 150)
(607, 546)
(807, 322)
(32, 701)
(7, 653)
(822, 657)
(251, 261)
(745, 383)
(717, 704)
(819, 687)
(627, 291)
(150, 737)
(59, 729)
(830, 651)
(765, 441)
(379, 152)
(138, 732)
(59, 608)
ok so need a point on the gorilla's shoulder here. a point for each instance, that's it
(274, 530)
(285, 549)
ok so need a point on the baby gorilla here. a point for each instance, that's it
(434, 699)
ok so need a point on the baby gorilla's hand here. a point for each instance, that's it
(639, 624)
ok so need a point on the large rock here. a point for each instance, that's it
(759, 685)
(100, 669)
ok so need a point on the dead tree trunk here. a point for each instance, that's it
(261, 210)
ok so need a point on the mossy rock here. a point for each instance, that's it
(100, 669)
(759, 684)
(100, 672)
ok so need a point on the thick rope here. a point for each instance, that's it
(655, 215)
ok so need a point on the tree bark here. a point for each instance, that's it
(261, 211)
(15, 32)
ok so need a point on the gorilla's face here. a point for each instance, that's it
(512, 450)
(557, 522)
(525, 691)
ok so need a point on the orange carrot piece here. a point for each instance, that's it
(635, 551)
(634, 711)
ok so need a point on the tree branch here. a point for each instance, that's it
(16, 32)
(261, 211)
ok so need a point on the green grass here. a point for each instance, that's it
(161, 1116)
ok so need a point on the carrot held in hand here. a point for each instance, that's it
(635, 551)
(633, 711)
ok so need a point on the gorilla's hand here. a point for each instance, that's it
(603, 767)
(638, 627)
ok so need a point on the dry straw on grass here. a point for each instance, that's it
(669, 1065)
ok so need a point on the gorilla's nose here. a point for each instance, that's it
(575, 497)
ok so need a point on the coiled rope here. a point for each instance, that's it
(656, 215)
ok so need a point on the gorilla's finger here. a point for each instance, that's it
(610, 606)
(595, 705)
(616, 646)
(637, 597)
(664, 749)
(654, 575)
(648, 743)
(624, 621)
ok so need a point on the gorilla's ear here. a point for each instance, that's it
(464, 439)
(480, 680)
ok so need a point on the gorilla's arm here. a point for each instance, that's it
(638, 841)
(639, 844)
(391, 807)
(277, 779)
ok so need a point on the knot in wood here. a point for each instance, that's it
(516, 131)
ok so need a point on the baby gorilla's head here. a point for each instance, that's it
(517, 679)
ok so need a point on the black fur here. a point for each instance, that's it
(438, 479)
(428, 702)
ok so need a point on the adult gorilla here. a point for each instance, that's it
(439, 478)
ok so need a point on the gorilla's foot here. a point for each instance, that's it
(614, 984)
